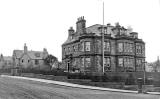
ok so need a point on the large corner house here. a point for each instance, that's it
(123, 50)
(29, 59)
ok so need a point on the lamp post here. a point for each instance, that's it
(144, 72)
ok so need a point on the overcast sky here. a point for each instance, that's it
(45, 23)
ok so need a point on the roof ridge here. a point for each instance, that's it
(93, 25)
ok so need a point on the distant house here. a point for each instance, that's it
(154, 66)
(1, 61)
(150, 67)
(5, 62)
(29, 59)
(157, 68)
(8, 62)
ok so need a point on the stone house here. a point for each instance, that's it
(29, 59)
(123, 50)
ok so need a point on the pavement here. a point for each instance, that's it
(78, 86)
(15, 88)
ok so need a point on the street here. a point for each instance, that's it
(11, 88)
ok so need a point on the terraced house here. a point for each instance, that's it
(82, 51)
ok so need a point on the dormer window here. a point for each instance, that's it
(134, 35)
(37, 54)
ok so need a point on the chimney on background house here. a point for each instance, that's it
(25, 48)
(45, 53)
(81, 25)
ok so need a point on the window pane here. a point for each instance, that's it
(131, 47)
(87, 48)
(107, 64)
(125, 47)
(82, 62)
(106, 46)
(120, 62)
(36, 62)
(82, 46)
(139, 49)
(87, 62)
(69, 49)
(120, 47)
(139, 64)
(125, 62)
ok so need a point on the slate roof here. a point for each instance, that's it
(31, 54)
(91, 29)
(8, 58)
(69, 40)
(94, 29)
(35, 54)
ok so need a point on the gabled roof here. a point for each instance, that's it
(31, 54)
(18, 53)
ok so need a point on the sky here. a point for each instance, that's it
(45, 23)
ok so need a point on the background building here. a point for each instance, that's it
(82, 51)
(154, 66)
(150, 67)
(6, 62)
(29, 59)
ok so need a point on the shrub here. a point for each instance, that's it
(130, 80)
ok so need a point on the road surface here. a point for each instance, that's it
(11, 88)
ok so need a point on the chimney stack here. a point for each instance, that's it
(25, 48)
(81, 25)
(70, 31)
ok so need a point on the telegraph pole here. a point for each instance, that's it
(103, 40)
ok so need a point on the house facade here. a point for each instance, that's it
(29, 59)
(82, 51)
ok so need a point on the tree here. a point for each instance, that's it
(50, 60)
